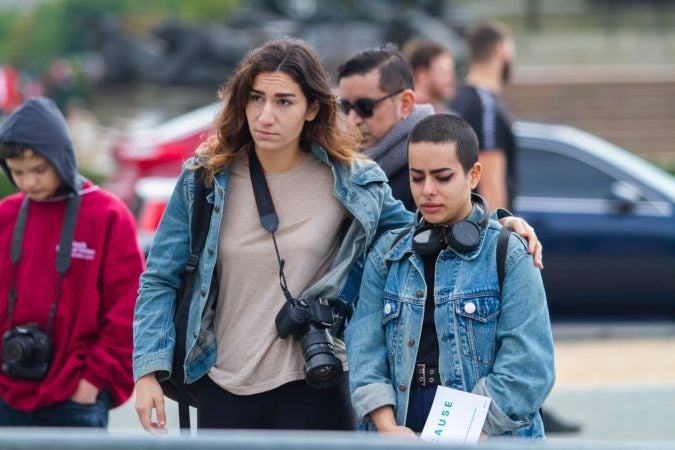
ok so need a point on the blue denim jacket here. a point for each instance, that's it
(361, 188)
(502, 348)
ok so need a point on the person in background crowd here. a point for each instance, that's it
(478, 101)
(70, 264)
(377, 92)
(433, 71)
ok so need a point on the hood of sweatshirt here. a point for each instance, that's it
(39, 124)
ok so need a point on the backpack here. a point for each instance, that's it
(174, 387)
(502, 247)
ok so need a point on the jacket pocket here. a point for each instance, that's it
(477, 319)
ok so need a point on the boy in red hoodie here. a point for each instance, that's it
(70, 264)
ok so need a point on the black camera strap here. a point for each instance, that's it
(268, 216)
(62, 257)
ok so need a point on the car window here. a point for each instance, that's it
(544, 173)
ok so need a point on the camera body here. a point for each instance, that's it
(310, 323)
(27, 352)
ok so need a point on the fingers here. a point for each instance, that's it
(149, 396)
(144, 412)
(534, 247)
(538, 255)
(161, 415)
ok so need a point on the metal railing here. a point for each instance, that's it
(75, 439)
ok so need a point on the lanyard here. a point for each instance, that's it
(62, 257)
(268, 216)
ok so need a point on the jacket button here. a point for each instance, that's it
(419, 293)
(216, 209)
(470, 308)
(401, 387)
(411, 342)
(203, 293)
(210, 251)
(387, 308)
(195, 335)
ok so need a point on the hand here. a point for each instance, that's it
(399, 431)
(522, 228)
(149, 396)
(385, 422)
(85, 394)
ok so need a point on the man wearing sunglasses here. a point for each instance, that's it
(376, 91)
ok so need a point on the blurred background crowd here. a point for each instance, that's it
(606, 66)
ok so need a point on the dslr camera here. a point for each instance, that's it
(310, 323)
(27, 352)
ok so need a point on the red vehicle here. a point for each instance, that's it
(159, 151)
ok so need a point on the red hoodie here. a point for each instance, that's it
(92, 330)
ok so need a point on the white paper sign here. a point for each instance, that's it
(455, 416)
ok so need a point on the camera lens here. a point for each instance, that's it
(322, 368)
(17, 350)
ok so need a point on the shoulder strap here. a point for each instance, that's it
(398, 238)
(502, 247)
(201, 219)
(199, 229)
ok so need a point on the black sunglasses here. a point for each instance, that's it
(364, 106)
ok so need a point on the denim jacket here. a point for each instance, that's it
(497, 346)
(361, 188)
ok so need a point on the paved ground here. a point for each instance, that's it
(618, 381)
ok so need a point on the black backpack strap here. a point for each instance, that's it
(502, 247)
(199, 229)
(396, 240)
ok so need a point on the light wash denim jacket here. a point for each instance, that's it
(502, 348)
(361, 188)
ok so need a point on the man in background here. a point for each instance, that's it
(377, 91)
(433, 71)
(479, 103)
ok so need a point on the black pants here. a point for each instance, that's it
(292, 406)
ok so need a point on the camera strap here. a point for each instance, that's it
(62, 257)
(268, 216)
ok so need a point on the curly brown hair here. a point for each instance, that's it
(231, 136)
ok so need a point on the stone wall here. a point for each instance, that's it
(632, 108)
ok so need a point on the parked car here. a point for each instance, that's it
(158, 151)
(606, 219)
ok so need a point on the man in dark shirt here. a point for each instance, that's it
(479, 103)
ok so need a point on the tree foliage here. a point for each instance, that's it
(30, 39)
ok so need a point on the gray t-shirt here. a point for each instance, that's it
(251, 357)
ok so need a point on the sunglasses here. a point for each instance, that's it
(364, 107)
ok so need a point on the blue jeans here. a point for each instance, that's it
(63, 414)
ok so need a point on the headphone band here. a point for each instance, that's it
(462, 236)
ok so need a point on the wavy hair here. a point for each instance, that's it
(295, 58)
